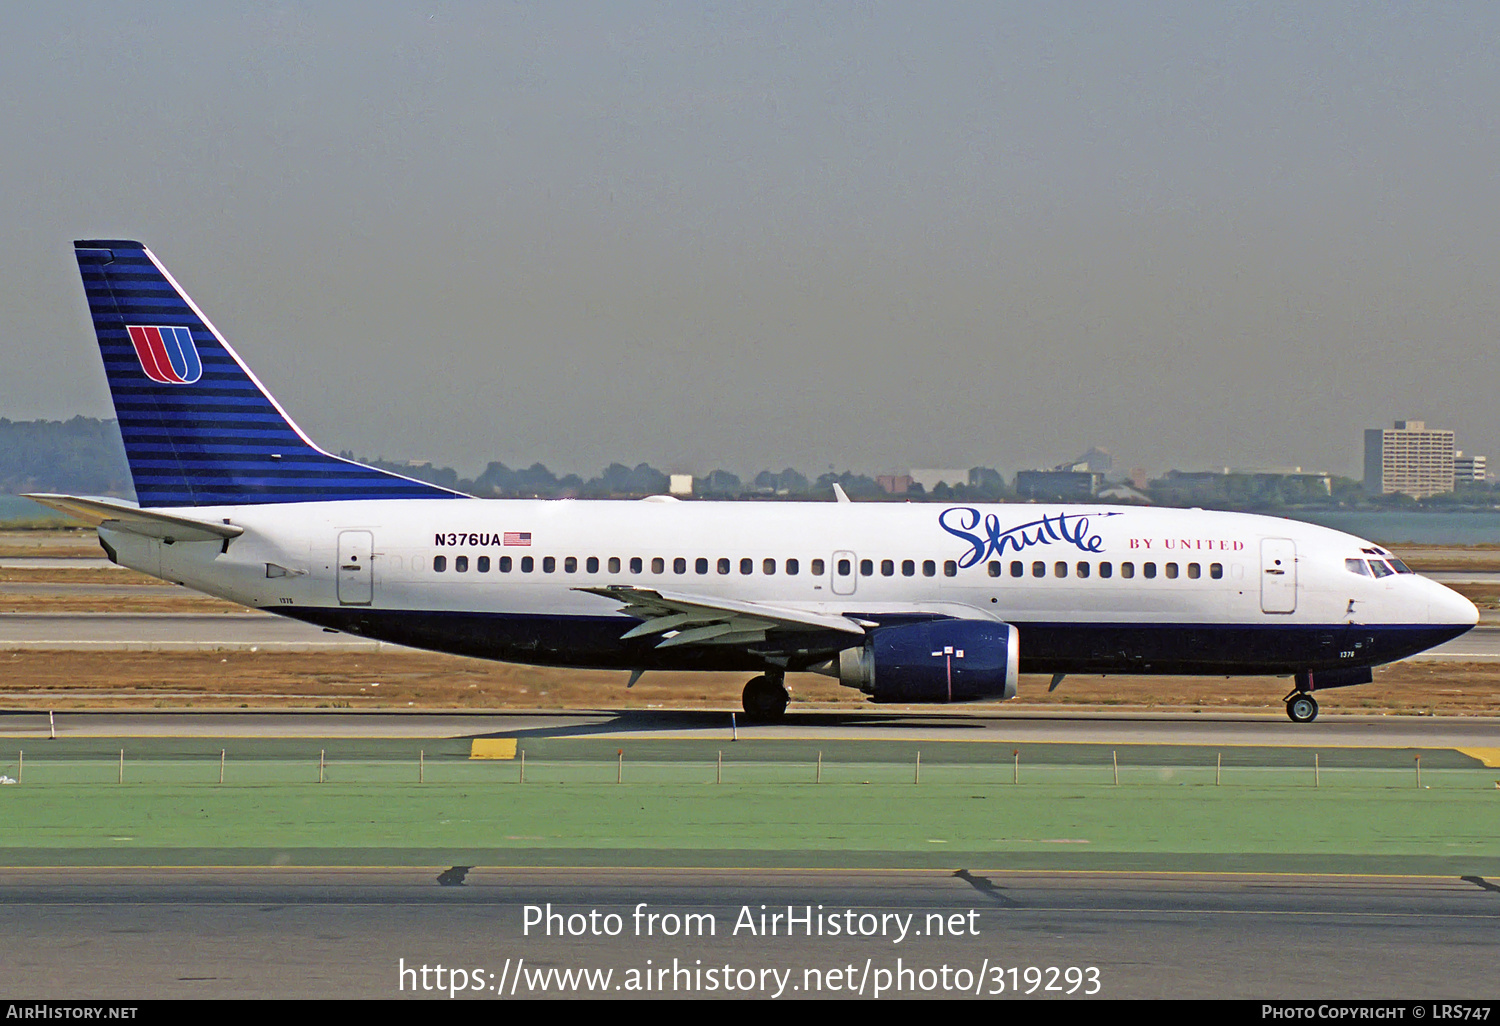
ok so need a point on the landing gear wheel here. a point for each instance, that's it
(1302, 708)
(765, 700)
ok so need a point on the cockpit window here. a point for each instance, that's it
(1400, 567)
(1356, 566)
(1379, 569)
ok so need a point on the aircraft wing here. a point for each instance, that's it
(103, 512)
(696, 620)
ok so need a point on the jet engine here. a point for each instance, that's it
(934, 661)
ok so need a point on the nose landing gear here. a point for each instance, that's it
(1301, 707)
(765, 698)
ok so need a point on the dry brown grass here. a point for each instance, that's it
(414, 680)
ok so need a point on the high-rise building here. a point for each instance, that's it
(1410, 458)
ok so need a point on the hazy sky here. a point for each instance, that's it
(757, 235)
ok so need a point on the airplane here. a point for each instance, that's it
(907, 602)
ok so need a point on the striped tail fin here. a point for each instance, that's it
(199, 428)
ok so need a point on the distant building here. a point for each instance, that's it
(1057, 484)
(1247, 482)
(1409, 458)
(1469, 469)
(681, 484)
(1096, 460)
(894, 484)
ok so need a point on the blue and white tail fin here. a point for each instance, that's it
(199, 428)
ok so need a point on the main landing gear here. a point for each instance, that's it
(765, 698)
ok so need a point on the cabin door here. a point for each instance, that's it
(1278, 575)
(845, 573)
(356, 568)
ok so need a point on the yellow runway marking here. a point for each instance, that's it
(1489, 756)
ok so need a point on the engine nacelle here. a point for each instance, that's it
(935, 661)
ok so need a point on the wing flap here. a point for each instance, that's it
(698, 620)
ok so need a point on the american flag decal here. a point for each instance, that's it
(518, 537)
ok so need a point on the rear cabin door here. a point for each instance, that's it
(1278, 575)
(356, 572)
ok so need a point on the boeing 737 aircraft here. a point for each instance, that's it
(909, 602)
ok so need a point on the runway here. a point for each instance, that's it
(998, 726)
(186, 632)
(215, 933)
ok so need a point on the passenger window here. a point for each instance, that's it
(505, 564)
(1083, 569)
(1148, 569)
(950, 568)
(482, 564)
(570, 565)
(792, 567)
(679, 565)
(614, 564)
(768, 567)
(1039, 569)
(1216, 570)
(994, 568)
(818, 567)
(887, 568)
(908, 568)
(592, 565)
(867, 567)
(1377, 568)
(1194, 571)
(747, 565)
(527, 564)
(460, 564)
(549, 564)
(1171, 569)
(1060, 569)
(658, 565)
(439, 563)
(929, 568)
(844, 568)
(1106, 569)
(1017, 568)
(723, 566)
(700, 565)
(1127, 569)
(635, 564)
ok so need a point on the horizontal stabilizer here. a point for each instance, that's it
(149, 523)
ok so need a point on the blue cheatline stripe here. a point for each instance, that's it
(218, 439)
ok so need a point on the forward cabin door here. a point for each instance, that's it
(1278, 575)
(356, 570)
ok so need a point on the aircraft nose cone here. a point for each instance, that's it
(1448, 606)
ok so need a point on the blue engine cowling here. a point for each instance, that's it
(935, 661)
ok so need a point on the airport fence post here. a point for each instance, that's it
(421, 766)
(122, 765)
(523, 766)
(620, 766)
(734, 730)
(719, 769)
(51, 725)
(918, 778)
(1016, 776)
(1419, 771)
(321, 753)
(20, 765)
(221, 765)
(819, 778)
(1114, 760)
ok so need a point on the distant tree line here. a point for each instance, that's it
(85, 456)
